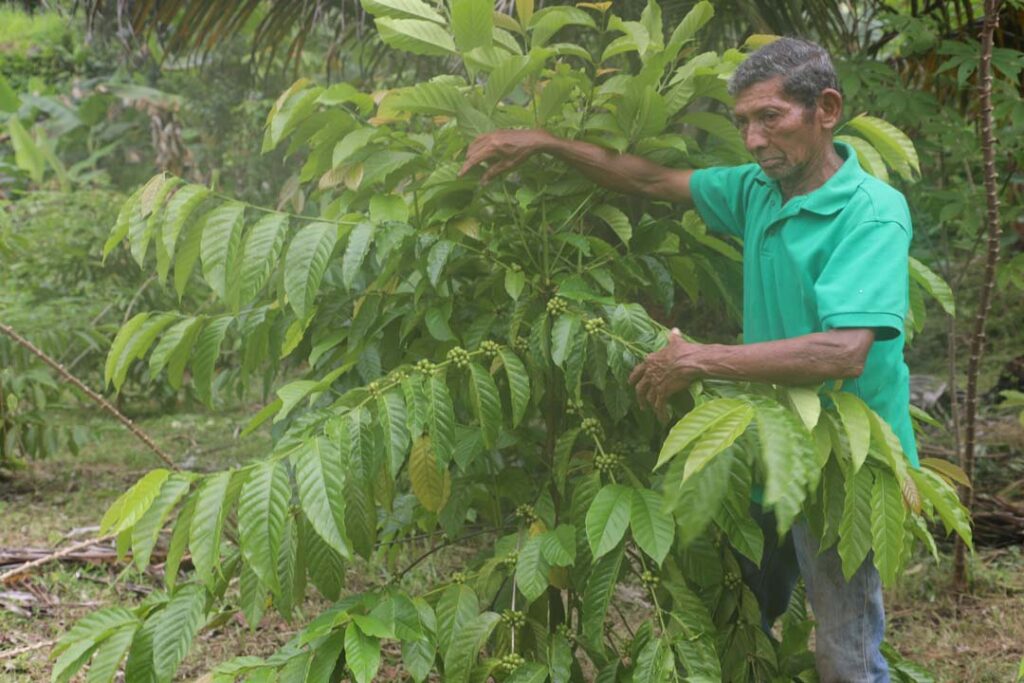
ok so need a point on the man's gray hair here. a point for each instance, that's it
(805, 67)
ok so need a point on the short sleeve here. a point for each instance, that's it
(720, 197)
(865, 281)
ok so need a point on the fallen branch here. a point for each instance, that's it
(67, 552)
(96, 398)
(8, 654)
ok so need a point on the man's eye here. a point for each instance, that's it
(770, 117)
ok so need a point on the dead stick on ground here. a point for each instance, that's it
(63, 552)
(99, 400)
(27, 648)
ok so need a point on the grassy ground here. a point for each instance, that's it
(972, 638)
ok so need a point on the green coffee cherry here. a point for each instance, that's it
(557, 306)
(511, 559)
(731, 580)
(490, 348)
(526, 513)
(425, 366)
(511, 662)
(458, 577)
(606, 463)
(593, 325)
(521, 344)
(591, 427)
(649, 579)
(513, 618)
(374, 388)
(459, 357)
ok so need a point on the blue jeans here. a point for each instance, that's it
(849, 616)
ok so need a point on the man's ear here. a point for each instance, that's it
(830, 107)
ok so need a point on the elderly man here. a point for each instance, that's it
(825, 293)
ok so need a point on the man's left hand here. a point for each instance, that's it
(665, 372)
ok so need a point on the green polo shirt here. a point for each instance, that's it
(833, 258)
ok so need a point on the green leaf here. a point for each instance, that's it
(124, 335)
(252, 596)
(121, 225)
(362, 654)
(616, 220)
(360, 508)
(204, 357)
(869, 158)
(946, 502)
(403, 9)
(892, 144)
(415, 36)
(788, 461)
(550, 20)
(855, 528)
(177, 627)
(147, 529)
(698, 421)
(486, 403)
(320, 476)
(262, 511)
(518, 384)
(515, 280)
(9, 100)
(188, 254)
(472, 23)
(325, 566)
(139, 343)
(807, 404)
(653, 528)
(608, 518)
(854, 415)
(140, 667)
(174, 348)
(418, 658)
(563, 335)
(133, 503)
(936, 287)
(597, 596)
(697, 501)
(291, 108)
(531, 569)
(305, 263)
(391, 413)
(78, 643)
(887, 517)
(717, 436)
(721, 128)
(207, 525)
(27, 154)
(431, 483)
(457, 607)
(466, 644)
(699, 15)
(111, 651)
(261, 253)
(179, 540)
(179, 209)
(558, 545)
(442, 419)
(733, 517)
(219, 248)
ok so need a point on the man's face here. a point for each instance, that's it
(784, 137)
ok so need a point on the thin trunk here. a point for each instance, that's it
(988, 144)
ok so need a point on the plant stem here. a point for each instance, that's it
(988, 144)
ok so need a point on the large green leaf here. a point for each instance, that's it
(486, 403)
(558, 545)
(262, 510)
(305, 263)
(461, 655)
(442, 419)
(855, 419)
(320, 476)
(717, 436)
(107, 660)
(518, 384)
(653, 528)
(616, 220)
(27, 154)
(180, 208)
(472, 23)
(789, 462)
(139, 344)
(855, 537)
(891, 143)
(261, 253)
(431, 483)
(362, 654)
(207, 525)
(220, 246)
(178, 625)
(597, 596)
(418, 37)
(887, 517)
(697, 422)
(563, 335)
(133, 503)
(869, 158)
(391, 412)
(360, 508)
(147, 529)
(945, 501)
(121, 340)
(457, 607)
(403, 9)
(608, 518)
(204, 357)
(532, 569)
(933, 284)
(733, 517)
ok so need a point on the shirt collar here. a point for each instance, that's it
(837, 190)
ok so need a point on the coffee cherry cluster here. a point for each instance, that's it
(490, 348)
(606, 463)
(573, 407)
(521, 344)
(459, 357)
(593, 325)
(526, 513)
(731, 580)
(510, 662)
(649, 579)
(458, 577)
(511, 559)
(374, 389)
(566, 632)
(591, 427)
(425, 366)
(513, 618)
(557, 306)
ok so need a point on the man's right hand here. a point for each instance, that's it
(504, 150)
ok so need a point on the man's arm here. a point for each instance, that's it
(806, 360)
(625, 173)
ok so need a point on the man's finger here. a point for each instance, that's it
(638, 373)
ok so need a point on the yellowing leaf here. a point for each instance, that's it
(431, 485)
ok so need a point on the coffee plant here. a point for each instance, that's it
(464, 353)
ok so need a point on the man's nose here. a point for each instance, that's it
(754, 138)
